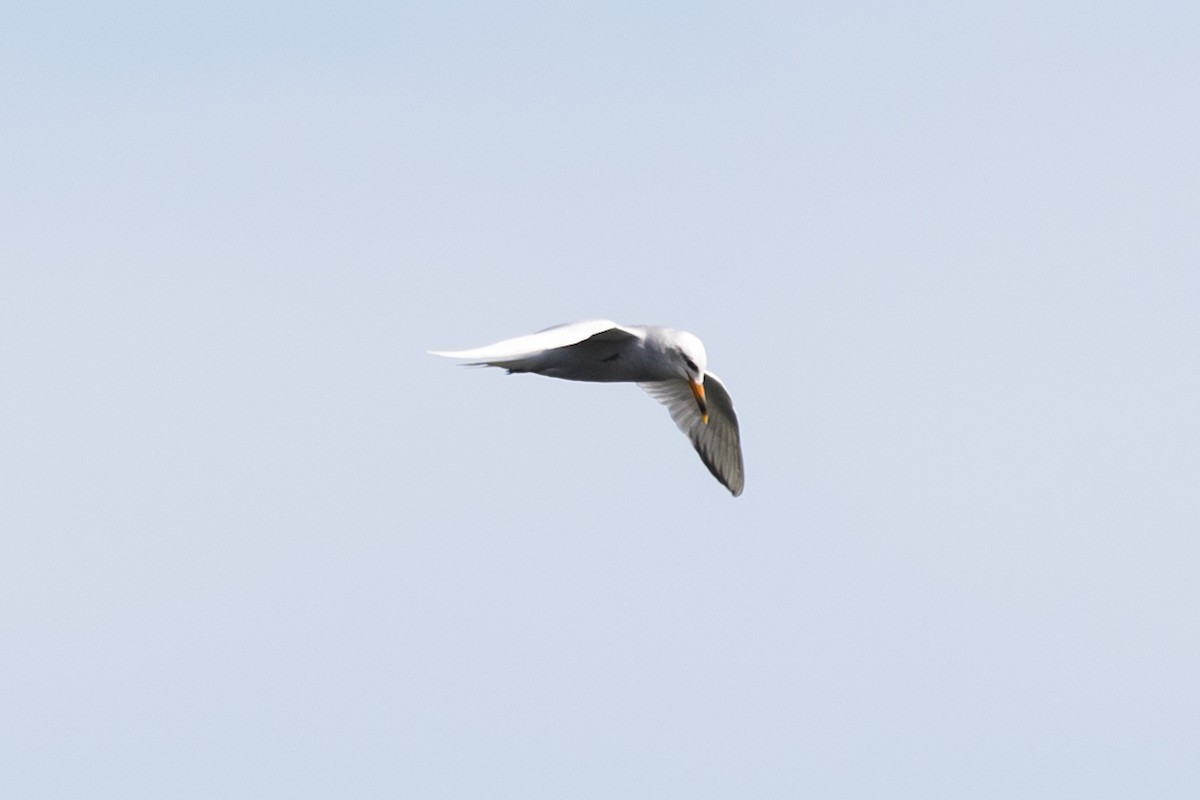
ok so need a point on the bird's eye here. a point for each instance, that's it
(690, 364)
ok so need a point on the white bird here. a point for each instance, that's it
(670, 365)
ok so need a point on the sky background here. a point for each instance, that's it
(254, 542)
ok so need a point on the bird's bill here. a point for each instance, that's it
(698, 391)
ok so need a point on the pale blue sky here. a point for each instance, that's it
(255, 543)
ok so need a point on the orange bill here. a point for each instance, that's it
(698, 391)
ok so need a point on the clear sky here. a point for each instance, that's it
(255, 543)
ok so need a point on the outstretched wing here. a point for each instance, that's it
(718, 441)
(515, 349)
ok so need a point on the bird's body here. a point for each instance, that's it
(669, 364)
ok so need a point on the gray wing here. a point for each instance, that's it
(718, 441)
(523, 347)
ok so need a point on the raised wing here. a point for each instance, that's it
(718, 441)
(549, 339)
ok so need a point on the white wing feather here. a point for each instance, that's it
(718, 441)
(549, 339)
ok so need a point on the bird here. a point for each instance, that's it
(669, 365)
